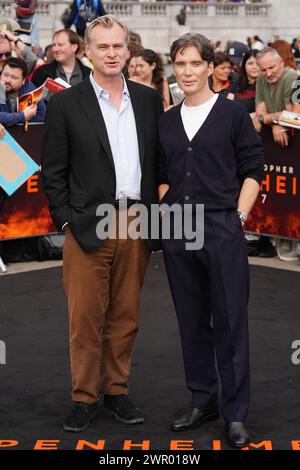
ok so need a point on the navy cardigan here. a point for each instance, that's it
(209, 169)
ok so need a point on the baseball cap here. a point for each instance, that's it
(236, 52)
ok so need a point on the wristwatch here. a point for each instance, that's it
(243, 217)
(64, 228)
(261, 119)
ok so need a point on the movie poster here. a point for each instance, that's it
(277, 210)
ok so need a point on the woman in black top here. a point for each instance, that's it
(149, 71)
(244, 90)
(244, 93)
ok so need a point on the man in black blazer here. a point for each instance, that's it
(100, 148)
(211, 156)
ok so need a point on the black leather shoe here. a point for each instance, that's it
(80, 416)
(193, 418)
(122, 409)
(237, 434)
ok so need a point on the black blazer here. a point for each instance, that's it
(49, 71)
(77, 164)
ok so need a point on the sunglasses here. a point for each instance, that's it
(5, 54)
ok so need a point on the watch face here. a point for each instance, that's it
(242, 216)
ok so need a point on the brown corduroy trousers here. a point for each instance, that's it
(103, 292)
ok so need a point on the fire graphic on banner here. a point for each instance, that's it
(276, 212)
(26, 212)
(19, 224)
(277, 209)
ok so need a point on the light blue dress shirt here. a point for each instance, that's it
(121, 129)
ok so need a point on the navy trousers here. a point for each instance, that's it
(210, 290)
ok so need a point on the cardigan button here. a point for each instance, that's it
(190, 149)
(186, 198)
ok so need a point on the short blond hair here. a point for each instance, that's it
(107, 21)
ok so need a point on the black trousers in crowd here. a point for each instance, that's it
(210, 289)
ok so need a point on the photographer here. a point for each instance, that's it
(82, 13)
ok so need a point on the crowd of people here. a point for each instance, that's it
(230, 1)
(227, 1)
(110, 141)
(236, 67)
(262, 77)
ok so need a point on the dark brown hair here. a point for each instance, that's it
(199, 41)
(220, 58)
(151, 58)
(16, 63)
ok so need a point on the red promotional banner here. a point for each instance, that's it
(277, 210)
(26, 213)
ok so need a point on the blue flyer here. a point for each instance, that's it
(16, 166)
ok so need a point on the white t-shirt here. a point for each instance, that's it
(194, 116)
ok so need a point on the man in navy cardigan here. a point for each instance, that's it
(15, 83)
(210, 155)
